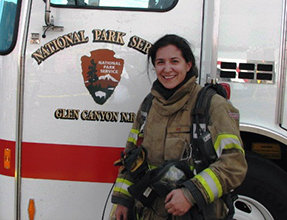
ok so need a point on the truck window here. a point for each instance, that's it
(8, 25)
(119, 4)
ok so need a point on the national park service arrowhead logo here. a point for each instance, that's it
(102, 73)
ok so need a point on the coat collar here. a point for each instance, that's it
(177, 101)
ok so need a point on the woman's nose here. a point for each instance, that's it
(167, 67)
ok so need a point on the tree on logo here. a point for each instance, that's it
(92, 74)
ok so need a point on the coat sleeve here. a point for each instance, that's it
(229, 170)
(121, 194)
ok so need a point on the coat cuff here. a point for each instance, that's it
(195, 192)
(125, 202)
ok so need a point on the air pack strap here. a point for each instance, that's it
(202, 147)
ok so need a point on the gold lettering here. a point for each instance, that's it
(96, 34)
(72, 114)
(112, 35)
(69, 39)
(102, 115)
(127, 117)
(38, 56)
(104, 36)
(133, 42)
(49, 45)
(139, 44)
(45, 52)
(99, 116)
(82, 36)
(120, 39)
(55, 45)
(146, 48)
(77, 39)
(84, 115)
(61, 42)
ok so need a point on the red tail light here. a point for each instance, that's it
(226, 86)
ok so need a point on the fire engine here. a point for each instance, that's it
(73, 73)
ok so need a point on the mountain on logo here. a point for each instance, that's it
(108, 77)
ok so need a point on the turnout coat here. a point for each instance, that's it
(166, 136)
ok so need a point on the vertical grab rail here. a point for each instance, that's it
(282, 66)
(27, 6)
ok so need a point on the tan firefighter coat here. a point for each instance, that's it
(167, 137)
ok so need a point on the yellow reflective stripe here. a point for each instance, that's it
(236, 146)
(120, 190)
(216, 181)
(122, 185)
(124, 181)
(211, 184)
(151, 167)
(133, 136)
(227, 141)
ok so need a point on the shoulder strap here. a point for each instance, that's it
(201, 109)
(202, 146)
(145, 107)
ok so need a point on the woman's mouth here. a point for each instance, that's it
(168, 77)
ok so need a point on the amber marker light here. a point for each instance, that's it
(7, 158)
(31, 209)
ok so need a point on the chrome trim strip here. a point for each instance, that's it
(264, 131)
(25, 13)
(282, 67)
(215, 32)
(209, 40)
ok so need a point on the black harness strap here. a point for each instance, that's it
(147, 102)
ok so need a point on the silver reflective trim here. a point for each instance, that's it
(133, 135)
(227, 141)
(210, 183)
(144, 114)
(122, 185)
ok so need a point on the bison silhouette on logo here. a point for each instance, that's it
(102, 73)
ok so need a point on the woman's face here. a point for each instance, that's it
(170, 66)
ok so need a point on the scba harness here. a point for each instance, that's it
(152, 183)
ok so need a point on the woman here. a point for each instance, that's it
(166, 136)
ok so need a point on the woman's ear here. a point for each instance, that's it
(189, 65)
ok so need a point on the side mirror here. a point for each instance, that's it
(48, 14)
(49, 20)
